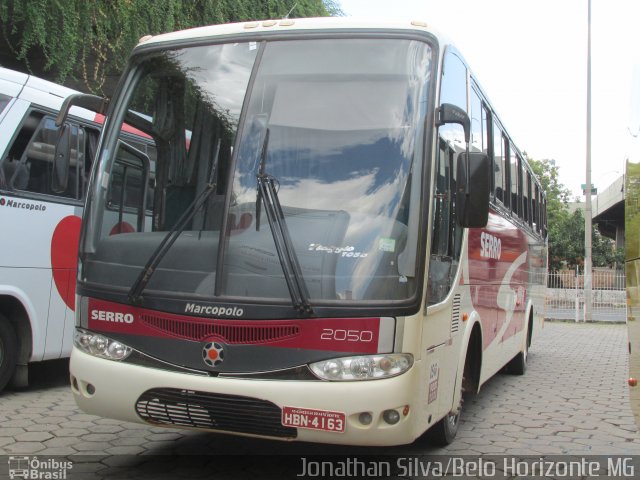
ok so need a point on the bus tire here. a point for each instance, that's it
(8, 351)
(518, 364)
(444, 432)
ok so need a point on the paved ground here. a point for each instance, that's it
(572, 400)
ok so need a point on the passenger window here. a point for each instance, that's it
(526, 196)
(543, 220)
(477, 126)
(485, 129)
(536, 209)
(514, 166)
(498, 164)
(29, 165)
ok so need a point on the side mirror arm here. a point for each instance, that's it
(90, 102)
(449, 113)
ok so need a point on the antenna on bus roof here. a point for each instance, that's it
(287, 15)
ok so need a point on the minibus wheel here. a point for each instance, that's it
(8, 351)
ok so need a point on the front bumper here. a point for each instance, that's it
(125, 392)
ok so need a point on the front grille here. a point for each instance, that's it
(212, 411)
(228, 332)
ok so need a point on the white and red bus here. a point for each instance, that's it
(348, 241)
(40, 208)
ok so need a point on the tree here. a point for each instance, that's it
(84, 44)
(549, 176)
(566, 229)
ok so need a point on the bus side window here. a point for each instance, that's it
(527, 200)
(498, 164)
(477, 127)
(29, 165)
(543, 220)
(515, 184)
(536, 209)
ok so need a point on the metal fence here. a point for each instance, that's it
(565, 296)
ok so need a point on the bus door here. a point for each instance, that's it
(443, 318)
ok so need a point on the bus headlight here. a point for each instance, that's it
(100, 346)
(362, 367)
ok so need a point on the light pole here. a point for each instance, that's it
(587, 206)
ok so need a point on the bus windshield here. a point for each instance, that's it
(287, 171)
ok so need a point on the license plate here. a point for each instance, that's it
(313, 419)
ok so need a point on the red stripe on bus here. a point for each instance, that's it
(353, 335)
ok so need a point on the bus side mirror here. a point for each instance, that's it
(472, 208)
(61, 160)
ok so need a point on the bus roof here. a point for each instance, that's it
(36, 83)
(39, 91)
(290, 25)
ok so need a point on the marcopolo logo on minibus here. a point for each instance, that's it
(213, 310)
(32, 207)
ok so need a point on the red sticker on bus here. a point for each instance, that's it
(313, 419)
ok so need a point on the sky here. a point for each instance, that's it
(530, 57)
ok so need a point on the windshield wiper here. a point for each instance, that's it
(268, 194)
(173, 234)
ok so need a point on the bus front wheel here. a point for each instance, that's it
(8, 351)
(444, 432)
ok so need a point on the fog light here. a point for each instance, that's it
(91, 389)
(365, 418)
(391, 416)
